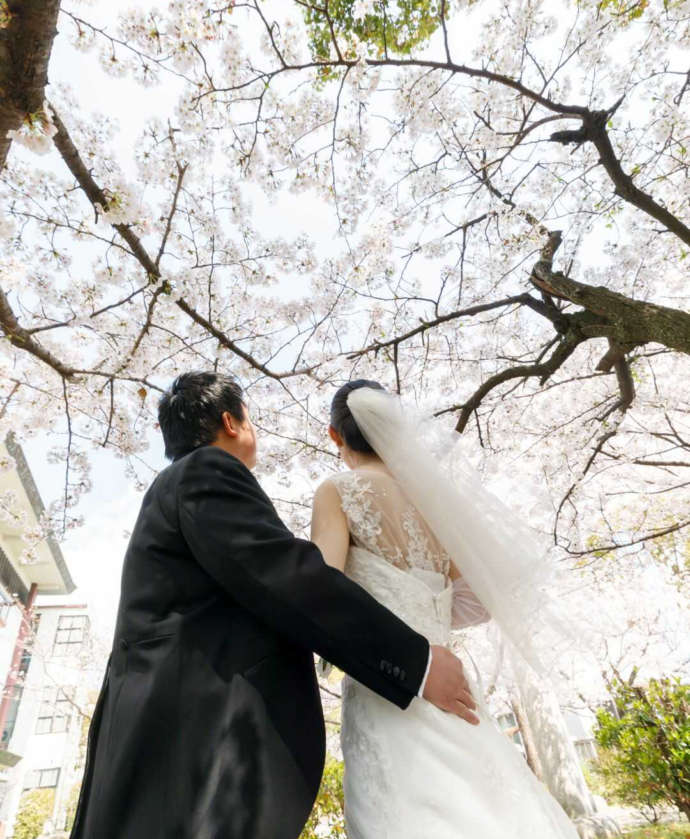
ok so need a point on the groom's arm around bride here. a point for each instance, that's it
(209, 722)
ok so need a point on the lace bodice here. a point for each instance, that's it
(382, 520)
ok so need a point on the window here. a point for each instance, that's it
(586, 750)
(70, 634)
(55, 711)
(5, 606)
(41, 778)
(508, 724)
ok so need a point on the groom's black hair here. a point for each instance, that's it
(189, 412)
(342, 419)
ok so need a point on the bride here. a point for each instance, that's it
(418, 772)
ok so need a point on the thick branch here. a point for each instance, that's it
(626, 385)
(68, 151)
(25, 46)
(629, 322)
(625, 322)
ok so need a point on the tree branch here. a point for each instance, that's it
(629, 322)
(593, 130)
(431, 324)
(97, 196)
(523, 371)
(231, 345)
(23, 340)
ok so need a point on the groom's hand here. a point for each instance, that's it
(446, 685)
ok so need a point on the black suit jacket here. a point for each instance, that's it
(209, 723)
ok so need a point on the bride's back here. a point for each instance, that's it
(383, 521)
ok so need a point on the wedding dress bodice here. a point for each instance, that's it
(418, 596)
(393, 554)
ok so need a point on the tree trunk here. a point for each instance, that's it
(25, 45)
(561, 770)
(531, 752)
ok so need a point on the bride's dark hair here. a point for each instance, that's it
(342, 419)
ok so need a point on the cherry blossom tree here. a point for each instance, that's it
(508, 198)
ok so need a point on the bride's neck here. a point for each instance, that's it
(359, 460)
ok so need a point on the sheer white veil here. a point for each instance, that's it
(488, 543)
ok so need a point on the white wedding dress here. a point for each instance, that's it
(421, 773)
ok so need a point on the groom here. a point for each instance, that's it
(209, 723)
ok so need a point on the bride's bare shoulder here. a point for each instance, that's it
(335, 478)
(330, 486)
(350, 480)
(337, 486)
(327, 504)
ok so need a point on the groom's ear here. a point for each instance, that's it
(231, 425)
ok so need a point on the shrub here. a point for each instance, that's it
(644, 749)
(327, 819)
(35, 806)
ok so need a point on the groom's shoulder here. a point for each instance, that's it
(208, 459)
(211, 454)
(210, 468)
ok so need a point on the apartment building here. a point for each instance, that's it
(61, 681)
(26, 582)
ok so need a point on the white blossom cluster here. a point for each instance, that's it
(36, 132)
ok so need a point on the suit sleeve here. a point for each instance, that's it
(235, 534)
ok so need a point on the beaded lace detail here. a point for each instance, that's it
(384, 522)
